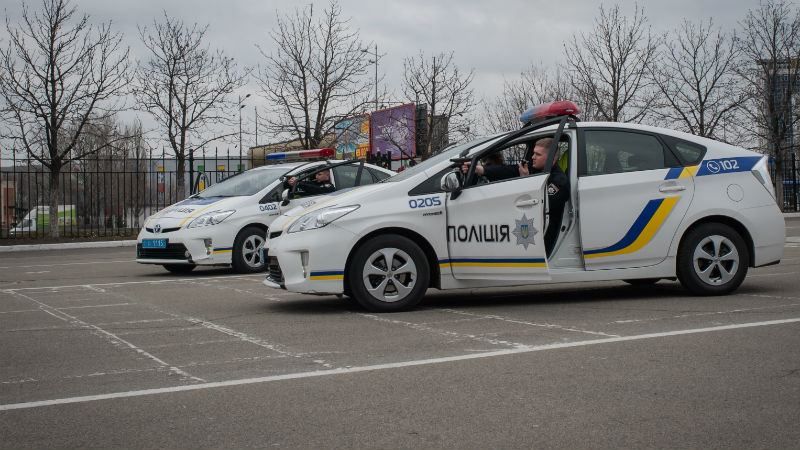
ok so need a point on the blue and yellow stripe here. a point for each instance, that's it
(642, 231)
(327, 275)
(493, 262)
(681, 172)
(220, 250)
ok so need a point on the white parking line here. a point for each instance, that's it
(109, 336)
(94, 286)
(523, 322)
(397, 365)
(68, 264)
(439, 331)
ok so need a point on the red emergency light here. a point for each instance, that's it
(548, 110)
(317, 153)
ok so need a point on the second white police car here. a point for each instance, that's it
(227, 223)
(642, 204)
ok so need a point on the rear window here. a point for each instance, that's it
(690, 153)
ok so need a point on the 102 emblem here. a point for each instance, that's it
(426, 202)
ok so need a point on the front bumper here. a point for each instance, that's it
(200, 246)
(310, 262)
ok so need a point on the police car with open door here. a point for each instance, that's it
(226, 224)
(644, 204)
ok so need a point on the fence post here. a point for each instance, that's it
(794, 180)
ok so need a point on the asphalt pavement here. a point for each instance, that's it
(101, 352)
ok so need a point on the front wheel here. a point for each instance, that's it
(712, 260)
(388, 273)
(247, 256)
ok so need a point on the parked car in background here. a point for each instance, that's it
(227, 223)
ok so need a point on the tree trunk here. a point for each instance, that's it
(55, 194)
(180, 178)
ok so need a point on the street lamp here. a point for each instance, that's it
(241, 106)
(366, 50)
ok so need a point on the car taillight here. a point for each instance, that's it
(761, 172)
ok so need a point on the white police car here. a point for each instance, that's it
(644, 204)
(226, 224)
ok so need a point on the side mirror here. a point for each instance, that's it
(450, 182)
(285, 197)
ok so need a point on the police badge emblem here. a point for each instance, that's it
(525, 231)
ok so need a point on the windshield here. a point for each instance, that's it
(245, 183)
(445, 155)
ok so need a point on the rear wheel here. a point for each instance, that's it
(247, 256)
(179, 268)
(388, 273)
(712, 260)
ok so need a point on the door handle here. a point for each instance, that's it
(671, 188)
(526, 203)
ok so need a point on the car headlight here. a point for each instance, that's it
(211, 218)
(321, 217)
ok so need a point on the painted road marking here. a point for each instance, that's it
(93, 286)
(397, 365)
(67, 264)
(109, 336)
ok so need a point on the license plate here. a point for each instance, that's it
(154, 243)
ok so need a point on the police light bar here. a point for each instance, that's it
(548, 110)
(317, 153)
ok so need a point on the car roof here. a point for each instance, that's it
(294, 164)
(710, 143)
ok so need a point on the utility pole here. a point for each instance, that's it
(366, 50)
(241, 106)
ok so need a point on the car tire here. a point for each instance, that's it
(179, 269)
(642, 281)
(246, 257)
(712, 260)
(375, 283)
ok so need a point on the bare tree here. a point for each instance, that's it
(317, 75)
(536, 85)
(444, 88)
(58, 75)
(610, 67)
(770, 44)
(700, 92)
(186, 86)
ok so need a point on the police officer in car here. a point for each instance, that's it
(320, 185)
(557, 185)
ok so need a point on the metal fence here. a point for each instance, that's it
(113, 196)
(99, 196)
(791, 202)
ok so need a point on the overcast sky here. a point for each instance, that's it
(497, 39)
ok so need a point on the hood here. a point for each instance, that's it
(182, 212)
(345, 197)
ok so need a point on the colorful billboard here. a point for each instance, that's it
(352, 138)
(394, 131)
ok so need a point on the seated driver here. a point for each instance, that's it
(320, 185)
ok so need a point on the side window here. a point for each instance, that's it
(689, 152)
(273, 195)
(345, 176)
(607, 152)
(377, 175)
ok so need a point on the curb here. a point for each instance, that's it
(791, 215)
(66, 245)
